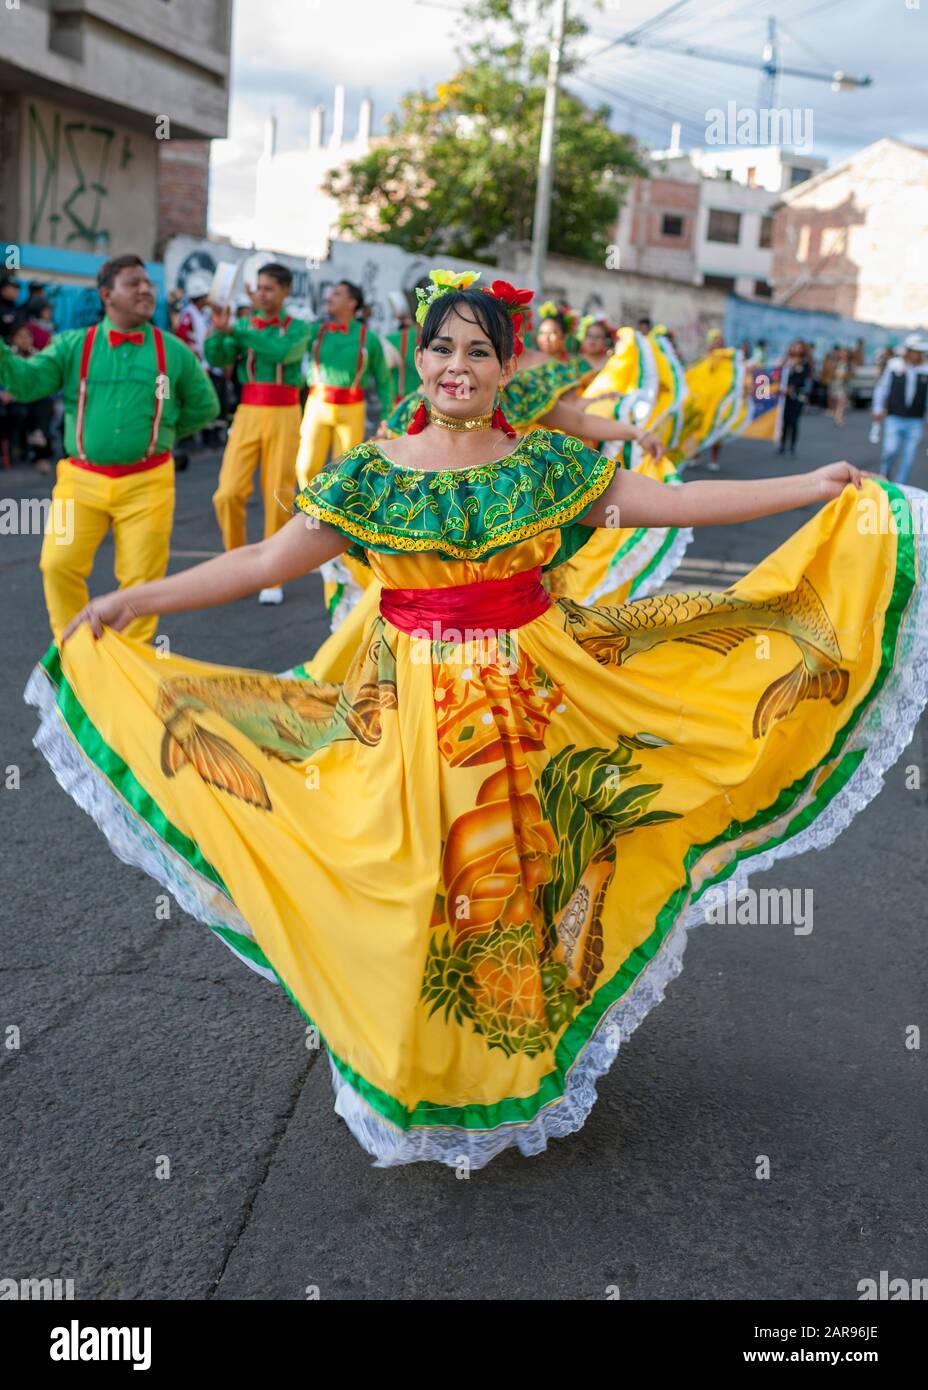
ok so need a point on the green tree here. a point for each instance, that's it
(459, 166)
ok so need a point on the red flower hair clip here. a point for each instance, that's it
(512, 300)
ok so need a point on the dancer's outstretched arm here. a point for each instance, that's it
(586, 425)
(302, 545)
(632, 500)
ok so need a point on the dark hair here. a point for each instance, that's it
(604, 328)
(557, 318)
(281, 273)
(356, 293)
(488, 311)
(106, 275)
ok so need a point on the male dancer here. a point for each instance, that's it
(268, 351)
(400, 349)
(346, 355)
(129, 392)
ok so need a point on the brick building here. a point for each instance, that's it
(657, 226)
(183, 190)
(852, 239)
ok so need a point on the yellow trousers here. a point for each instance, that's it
(268, 435)
(326, 426)
(140, 509)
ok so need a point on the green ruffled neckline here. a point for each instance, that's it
(453, 472)
(545, 483)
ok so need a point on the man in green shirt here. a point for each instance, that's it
(129, 392)
(400, 350)
(346, 355)
(267, 351)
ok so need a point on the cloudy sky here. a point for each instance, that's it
(289, 54)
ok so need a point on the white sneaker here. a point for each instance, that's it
(271, 596)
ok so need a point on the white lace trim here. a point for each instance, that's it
(130, 837)
(885, 728)
(665, 568)
(337, 572)
(638, 558)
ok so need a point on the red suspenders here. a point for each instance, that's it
(162, 376)
(250, 357)
(82, 389)
(361, 355)
(359, 368)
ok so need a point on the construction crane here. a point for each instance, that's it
(771, 67)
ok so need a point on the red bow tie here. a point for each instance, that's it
(337, 327)
(266, 323)
(116, 337)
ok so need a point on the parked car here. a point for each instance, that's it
(862, 384)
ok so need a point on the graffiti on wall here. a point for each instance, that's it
(69, 165)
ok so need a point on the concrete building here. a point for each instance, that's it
(852, 239)
(734, 237)
(290, 212)
(106, 112)
(759, 166)
(705, 216)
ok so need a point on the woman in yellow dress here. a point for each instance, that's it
(618, 403)
(473, 864)
(542, 391)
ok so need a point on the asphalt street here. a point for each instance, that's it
(141, 1038)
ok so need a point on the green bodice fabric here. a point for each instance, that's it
(547, 482)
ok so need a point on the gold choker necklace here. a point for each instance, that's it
(453, 422)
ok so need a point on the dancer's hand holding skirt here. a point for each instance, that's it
(473, 867)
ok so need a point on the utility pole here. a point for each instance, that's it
(542, 222)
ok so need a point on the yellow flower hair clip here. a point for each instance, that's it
(442, 282)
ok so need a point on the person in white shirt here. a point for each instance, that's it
(900, 401)
(194, 322)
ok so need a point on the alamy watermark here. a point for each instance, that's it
(36, 516)
(31, 1289)
(751, 907)
(759, 125)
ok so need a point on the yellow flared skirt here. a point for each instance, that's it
(473, 866)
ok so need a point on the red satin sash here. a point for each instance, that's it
(456, 613)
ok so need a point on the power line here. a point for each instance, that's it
(804, 44)
(647, 27)
(710, 13)
(667, 113)
(658, 68)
